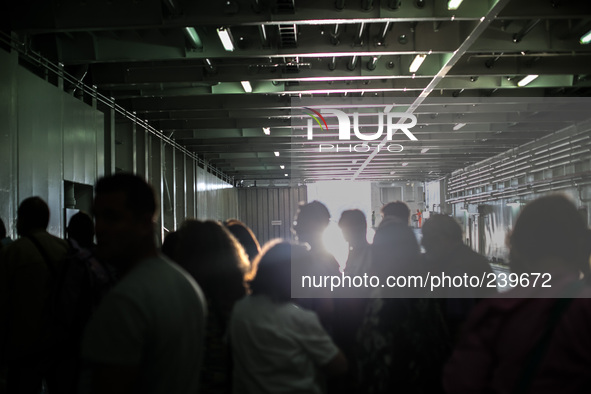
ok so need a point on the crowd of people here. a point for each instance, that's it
(212, 311)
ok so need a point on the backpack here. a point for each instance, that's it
(76, 287)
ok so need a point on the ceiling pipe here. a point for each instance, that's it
(332, 65)
(366, 5)
(359, 36)
(339, 4)
(263, 35)
(517, 37)
(352, 63)
(371, 64)
(334, 35)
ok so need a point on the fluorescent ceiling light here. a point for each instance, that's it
(424, 150)
(414, 66)
(276, 153)
(192, 35)
(404, 164)
(459, 126)
(266, 130)
(285, 174)
(226, 39)
(526, 80)
(586, 38)
(453, 4)
(246, 86)
(392, 172)
(282, 166)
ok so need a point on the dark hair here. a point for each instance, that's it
(353, 218)
(273, 276)
(245, 236)
(170, 244)
(81, 229)
(2, 229)
(395, 250)
(312, 215)
(550, 226)
(398, 209)
(33, 213)
(214, 258)
(139, 195)
(442, 226)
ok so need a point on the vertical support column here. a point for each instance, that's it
(173, 199)
(109, 141)
(147, 152)
(194, 188)
(13, 143)
(162, 175)
(134, 146)
(185, 157)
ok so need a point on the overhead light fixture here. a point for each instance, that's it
(416, 63)
(246, 86)
(453, 4)
(285, 174)
(458, 126)
(226, 38)
(276, 153)
(424, 150)
(266, 130)
(586, 38)
(392, 172)
(404, 164)
(526, 80)
(193, 37)
(282, 166)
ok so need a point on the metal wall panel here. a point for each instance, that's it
(124, 148)
(179, 174)
(81, 132)
(216, 199)
(8, 141)
(269, 212)
(40, 163)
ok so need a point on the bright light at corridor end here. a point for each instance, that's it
(246, 86)
(526, 80)
(414, 66)
(453, 4)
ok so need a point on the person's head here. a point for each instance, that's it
(213, 257)
(310, 222)
(124, 209)
(395, 249)
(2, 229)
(549, 233)
(397, 210)
(32, 215)
(170, 244)
(81, 229)
(353, 225)
(441, 234)
(245, 236)
(273, 276)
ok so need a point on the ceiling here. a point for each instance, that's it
(164, 60)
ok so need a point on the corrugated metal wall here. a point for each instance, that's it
(48, 137)
(269, 212)
(487, 196)
(184, 189)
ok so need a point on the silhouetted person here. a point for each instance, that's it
(170, 244)
(519, 343)
(310, 222)
(277, 346)
(403, 341)
(396, 211)
(147, 334)
(354, 228)
(219, 264)
(446, 253)
(4, 238)
(81, 229)
(27, 271)
(245, 236)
